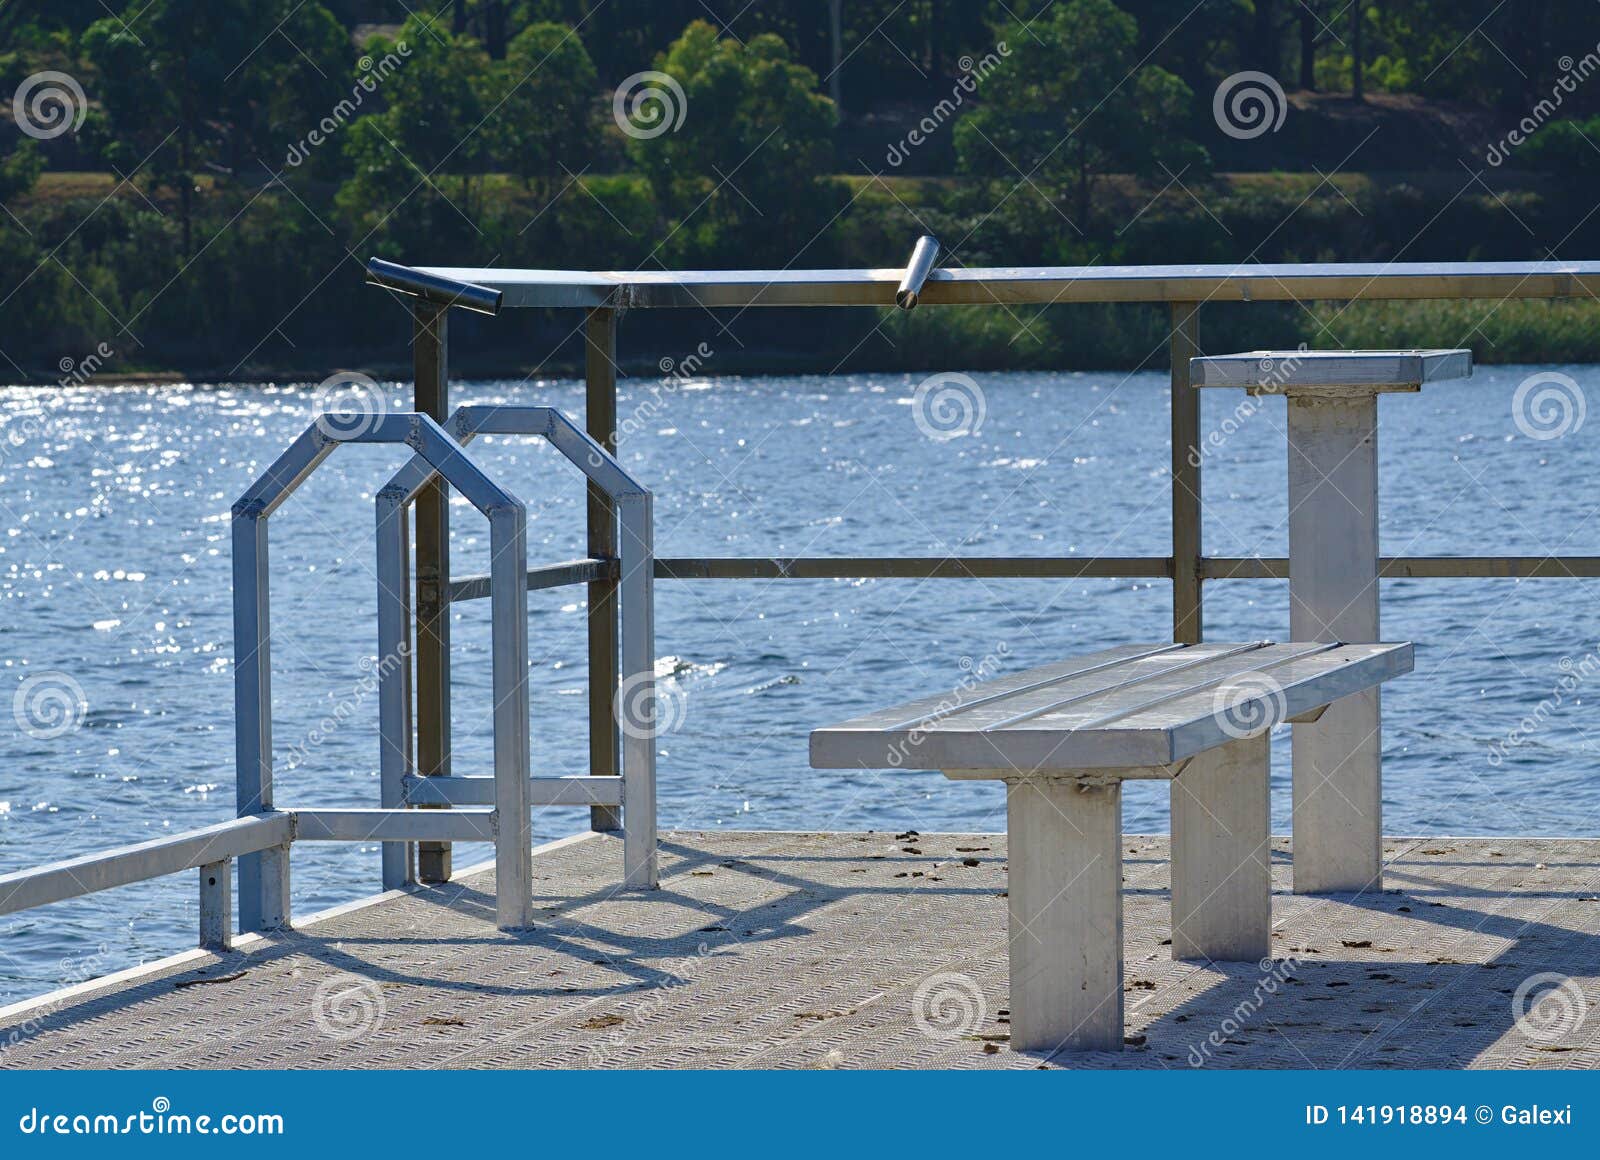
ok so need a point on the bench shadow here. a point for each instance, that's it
(640, 962)
(1320, 1006)
(1330, 1007)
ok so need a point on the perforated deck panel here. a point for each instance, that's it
(850, 950)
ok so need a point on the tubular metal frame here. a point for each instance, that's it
(264, 874)
(633, 787)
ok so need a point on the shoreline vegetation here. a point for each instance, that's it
(181, 204)
(1094, 338)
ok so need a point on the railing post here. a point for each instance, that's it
(430, 360)
(263, 877)
(394, 675)
(513, 855)
(216, 906)
(600, 421)
(637, 592)
(1187, 617)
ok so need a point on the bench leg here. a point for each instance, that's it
(1338, 798)
(1221, 854)
(1065, 852)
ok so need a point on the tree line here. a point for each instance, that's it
(292, 138)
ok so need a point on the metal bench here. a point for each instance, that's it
(1063, 738)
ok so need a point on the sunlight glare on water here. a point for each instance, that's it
(114, 605)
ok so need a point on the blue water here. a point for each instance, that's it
(114, 574)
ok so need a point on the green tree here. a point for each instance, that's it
(543, 119)
(193, 86)
(429, 141)
(1071, 103)
(19, 170)
(734, 145)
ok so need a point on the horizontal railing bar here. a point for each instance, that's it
(125, 865)
(548, 576)
(1419, 567)
(913, 567)
(1024, 568)
(1282, 282)
(543, 791)
(394, 825)
(1097, 567)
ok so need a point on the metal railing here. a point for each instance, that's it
(259, 839)
(633, 789)
(1184, 290)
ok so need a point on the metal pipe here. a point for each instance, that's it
(395, 753)
(434, 287)
(1039, 285)
(600, 418)
(430, 353)
(636, 598)
(917, 271)
(914, 568)
(508, 615)
(1188, 619)
(546, 576)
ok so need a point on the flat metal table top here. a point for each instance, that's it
(1288, 369)
(861, 950)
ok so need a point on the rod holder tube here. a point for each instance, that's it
(917, 271)
(445, 291)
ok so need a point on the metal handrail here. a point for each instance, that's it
(607, 295)
(264, 875)
(633, 694)
(260, 837)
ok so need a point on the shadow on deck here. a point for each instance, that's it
(861, 950)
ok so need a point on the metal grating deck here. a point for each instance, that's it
(860, 950)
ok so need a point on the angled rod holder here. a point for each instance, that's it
(433, 287)
(917, 271)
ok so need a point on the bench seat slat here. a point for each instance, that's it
(1153, 696)
(1046, 678)
(1150, 707)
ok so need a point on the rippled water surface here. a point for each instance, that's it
(114, 581)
